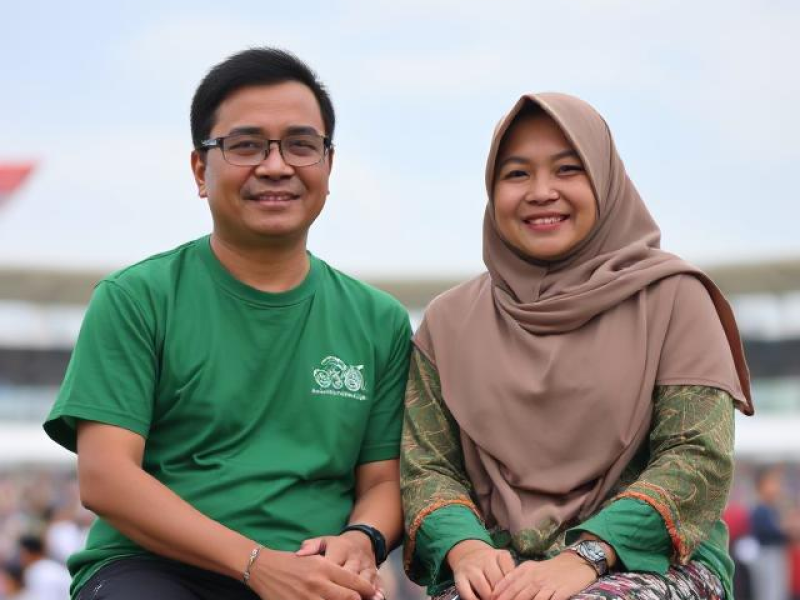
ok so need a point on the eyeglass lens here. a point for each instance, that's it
(297, 150)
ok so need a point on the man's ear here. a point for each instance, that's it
(199, 172)
(329, 158)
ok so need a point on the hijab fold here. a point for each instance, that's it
(549, 367)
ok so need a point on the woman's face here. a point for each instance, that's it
(543, 201)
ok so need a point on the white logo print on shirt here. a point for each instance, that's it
(335, 374)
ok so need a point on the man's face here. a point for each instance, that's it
(271, 202)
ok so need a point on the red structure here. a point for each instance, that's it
(12, 175)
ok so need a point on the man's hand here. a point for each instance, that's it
(478, 568)
(351, 550)
(559, 578)
(285, 576)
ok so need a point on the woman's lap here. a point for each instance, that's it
(690, 582)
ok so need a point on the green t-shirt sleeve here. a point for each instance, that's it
(382, 437)
(636, 532)
(112, 372)
(439, 532)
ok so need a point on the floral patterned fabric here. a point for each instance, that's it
(431, 464)
(683, 473)
(687, 473)
(687, 582)
(681, 582)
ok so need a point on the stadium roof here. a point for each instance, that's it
(765, 439)
(75, 287)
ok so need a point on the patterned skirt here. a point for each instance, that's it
(690, 582)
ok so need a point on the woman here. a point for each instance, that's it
(569, 425)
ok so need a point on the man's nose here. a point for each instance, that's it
(273, 164)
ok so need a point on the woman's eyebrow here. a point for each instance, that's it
(510, 159)
(565, 154)
(521, 159)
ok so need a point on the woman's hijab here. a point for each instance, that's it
(549, 367)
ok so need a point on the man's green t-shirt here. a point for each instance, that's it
(255, 407)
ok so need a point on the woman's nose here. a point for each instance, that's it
(542, 190)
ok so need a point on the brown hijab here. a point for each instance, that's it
(549, 367)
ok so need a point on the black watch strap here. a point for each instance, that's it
(375, 536)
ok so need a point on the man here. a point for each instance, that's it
(12, 583)
(770, 569)
(44, 578)
(236, 398)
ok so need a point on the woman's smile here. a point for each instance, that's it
(543, 200)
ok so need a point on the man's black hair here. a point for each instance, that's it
(31, 543)
(15, 571)
(255, 66)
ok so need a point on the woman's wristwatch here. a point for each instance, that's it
(375, 537)
(593, 553)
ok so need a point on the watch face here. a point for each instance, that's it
(592, 551)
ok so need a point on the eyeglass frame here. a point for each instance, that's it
(327, 146)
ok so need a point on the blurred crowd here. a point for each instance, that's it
(42, 522)
(765, 536)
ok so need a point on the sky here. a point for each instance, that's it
(702, 99)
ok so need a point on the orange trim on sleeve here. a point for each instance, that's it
(411, 542)
(681, 551)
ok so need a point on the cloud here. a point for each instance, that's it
(104, 199)
(702, 102)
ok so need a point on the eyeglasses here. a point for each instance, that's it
(248, 150)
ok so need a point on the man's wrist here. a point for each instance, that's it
(359, 538)
(254, 554)
(235, 556)
(374, 539)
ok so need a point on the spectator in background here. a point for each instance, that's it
(11, 583)
(770, 571)
(737, 518)
(793, 529)
(794, 570)
(68, 526)
(44, 578)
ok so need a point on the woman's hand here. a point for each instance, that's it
(558, 578)
(478, 568)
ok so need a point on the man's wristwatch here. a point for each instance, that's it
(593, 553)
(375, 536)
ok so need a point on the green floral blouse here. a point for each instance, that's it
(665, 509)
